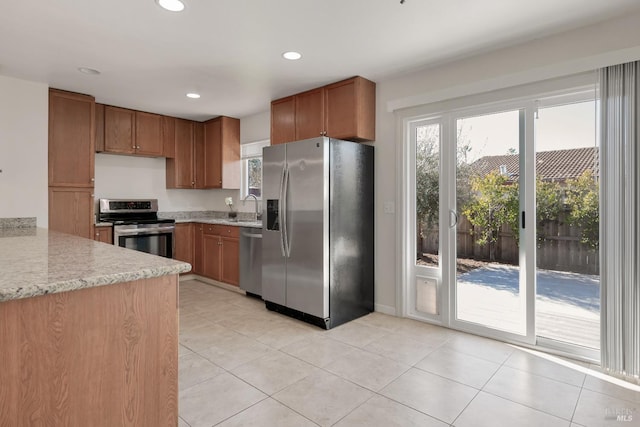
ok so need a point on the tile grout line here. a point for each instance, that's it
(481, 389)
(575, 408)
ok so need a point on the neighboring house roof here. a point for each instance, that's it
(557, 165)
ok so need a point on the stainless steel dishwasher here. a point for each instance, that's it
(251, 260)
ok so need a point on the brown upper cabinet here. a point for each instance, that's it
(310, 114)
(71, 139)
(206, 155)
(343, 110)
(181, 168)
(148, 139)
(130, 132)
(222, 153)
(283, 120)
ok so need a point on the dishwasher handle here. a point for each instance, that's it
(252, 235)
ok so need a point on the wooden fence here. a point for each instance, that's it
(559, 247)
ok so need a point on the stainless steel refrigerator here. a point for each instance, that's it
(318, 230)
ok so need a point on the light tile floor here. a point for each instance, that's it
(242, 365)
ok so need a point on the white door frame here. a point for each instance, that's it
(573, 87)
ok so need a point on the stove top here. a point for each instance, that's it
(130, 211)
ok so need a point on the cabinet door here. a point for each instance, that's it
(180, 168)
(103, 234)
(230, 153)
(71, 139)
(197, 248)
(230, 260)
(119, 130)
(169, 136)
(350, 109)
(211, 252)
(148, 139)
(283, 120)
(213, 154)
(99, 135)
(310, 114)
(71, 211)
(199, 162)
(184, 243)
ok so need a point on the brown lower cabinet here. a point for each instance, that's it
(102, 356)
(198, 230)
(184, 243)
(103, 233)
(71, 211)
(216, 252)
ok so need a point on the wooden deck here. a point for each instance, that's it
(567, 304)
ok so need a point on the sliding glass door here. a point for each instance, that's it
(490, 290)
(425, 191)
(567, 231)
(504, 221)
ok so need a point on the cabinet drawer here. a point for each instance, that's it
(229, 231)
(210, 229)
(221, 230)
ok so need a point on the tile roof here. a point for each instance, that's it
(557, 165)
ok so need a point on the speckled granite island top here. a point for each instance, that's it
(38, 261)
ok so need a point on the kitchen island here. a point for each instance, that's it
(88, 332)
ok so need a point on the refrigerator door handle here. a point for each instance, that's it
(287, 246)
(281, 212)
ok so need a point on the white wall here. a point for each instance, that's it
(139, 177)
(24, 124)
(589, 48)
(255, 128)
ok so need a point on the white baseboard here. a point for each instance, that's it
(385, 309)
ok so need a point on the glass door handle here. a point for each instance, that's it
(453, 215)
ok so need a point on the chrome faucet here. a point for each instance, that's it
(258, 214)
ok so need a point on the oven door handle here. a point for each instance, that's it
(150, 230)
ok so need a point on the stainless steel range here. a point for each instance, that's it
(136, 225)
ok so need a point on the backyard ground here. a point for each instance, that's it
(567, 304)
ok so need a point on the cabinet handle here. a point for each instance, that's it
(93, 180)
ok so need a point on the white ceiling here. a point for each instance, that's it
(230, 50)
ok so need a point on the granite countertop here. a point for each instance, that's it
(36, 261)
(244, 219)
(206, 217)
(240, 223)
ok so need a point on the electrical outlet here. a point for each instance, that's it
(389, 208)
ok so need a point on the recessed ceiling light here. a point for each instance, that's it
(293, 56)
(193, 95)
(171, 5)
(86, 70)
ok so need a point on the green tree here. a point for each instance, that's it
(428, 176)
(427, 180)
(254, 175)
(494, 203)
(581, 195)
(547, 205)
